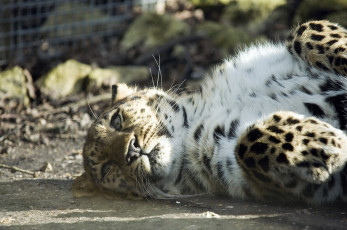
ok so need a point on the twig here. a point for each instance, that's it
(14, 168)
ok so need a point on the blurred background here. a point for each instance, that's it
(58, 58)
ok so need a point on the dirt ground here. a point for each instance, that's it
(46, 202)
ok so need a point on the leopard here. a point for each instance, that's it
(269, 123)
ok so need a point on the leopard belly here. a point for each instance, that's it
(242, 92)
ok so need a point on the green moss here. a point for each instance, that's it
(151, 30)
(65, 79)
(13, 85)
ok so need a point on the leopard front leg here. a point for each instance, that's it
(288, 155)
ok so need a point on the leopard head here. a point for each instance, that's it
(128, 148)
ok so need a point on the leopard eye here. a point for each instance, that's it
(116, 122)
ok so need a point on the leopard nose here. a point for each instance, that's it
(134, 151)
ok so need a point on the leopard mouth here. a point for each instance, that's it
(134, 151)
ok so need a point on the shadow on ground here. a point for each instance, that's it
(49, 204)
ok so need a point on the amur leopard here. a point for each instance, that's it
(270, 123)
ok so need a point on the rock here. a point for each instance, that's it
(151, 30)
(116, 74)
(241, 12)
(47, 167)
(65, 79)
(225, 37)
(313, 9)
(13, 85)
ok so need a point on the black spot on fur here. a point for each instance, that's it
(299, 128)
(335, 35)
(174, 105)
(312, 121)
(242, 149)
(323, 155)
(292, 121)
(197, 132)
(314, 152)
(254, 135)
(259, 148)
(337, 61)
(301, 30)
(185, 121)
(323, 140)
(275, 129)
(218, 133)
(332, 42)
(339, 104)
(297, 47)
(317, 37)
(316, 27)
(282, 158)
(318, 165)
(332, 27)
(250, 163)
(276, 118)
(305, 141)
(320, 49)
(264, 163)
(303, 164)
(288, 146)
(289, 137)
(304, 153)
(322, 66)
(233, 127)
(331, 85)
(274, 139)
(309, 46)
(315, 110)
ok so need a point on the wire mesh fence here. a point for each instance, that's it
(52, 26)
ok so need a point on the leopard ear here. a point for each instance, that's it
(121, 91)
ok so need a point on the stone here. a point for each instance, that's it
(116, 74)
(13, 85)
(65, 79)
(151, 30)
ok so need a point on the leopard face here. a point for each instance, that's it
(128, 148)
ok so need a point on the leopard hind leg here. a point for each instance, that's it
(290, 156)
